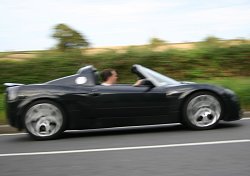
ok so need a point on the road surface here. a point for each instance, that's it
(163, 150)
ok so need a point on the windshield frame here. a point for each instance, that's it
(156, 78)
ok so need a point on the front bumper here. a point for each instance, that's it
(232, 109)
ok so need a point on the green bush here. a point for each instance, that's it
(181, 64)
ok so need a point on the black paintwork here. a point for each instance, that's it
(91, 105)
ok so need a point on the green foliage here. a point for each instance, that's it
(68, 38)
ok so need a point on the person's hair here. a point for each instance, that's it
(105, 74)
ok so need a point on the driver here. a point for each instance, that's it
(109, 77)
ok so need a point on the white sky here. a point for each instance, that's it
(28, 24)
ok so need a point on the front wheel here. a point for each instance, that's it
(202, 110)
(44, 120)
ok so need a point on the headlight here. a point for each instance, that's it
(12, 93)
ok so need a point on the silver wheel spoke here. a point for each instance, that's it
(203, 110)
(43, 119)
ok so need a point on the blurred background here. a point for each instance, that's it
(188, 40)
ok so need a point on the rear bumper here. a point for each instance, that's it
(13, 117)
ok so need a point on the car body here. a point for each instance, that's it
(79, 101)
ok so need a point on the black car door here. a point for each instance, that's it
(124, 104)
(118, 101)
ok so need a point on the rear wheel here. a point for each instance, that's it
(44, 120)
(202, 110)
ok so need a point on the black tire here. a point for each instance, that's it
(44, 120)
(197, 114)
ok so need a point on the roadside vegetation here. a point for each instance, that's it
(210, 61)
(2, 114)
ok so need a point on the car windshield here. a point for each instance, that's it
(157, 78)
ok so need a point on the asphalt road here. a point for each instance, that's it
(164, 150)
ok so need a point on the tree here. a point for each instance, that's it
(211, 41)
(155, 42)
(68, 38)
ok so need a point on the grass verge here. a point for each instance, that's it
(2, 113)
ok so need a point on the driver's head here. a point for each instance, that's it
(109, 76)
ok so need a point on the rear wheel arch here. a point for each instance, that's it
(59, 105)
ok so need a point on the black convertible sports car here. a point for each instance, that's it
(80, 102)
